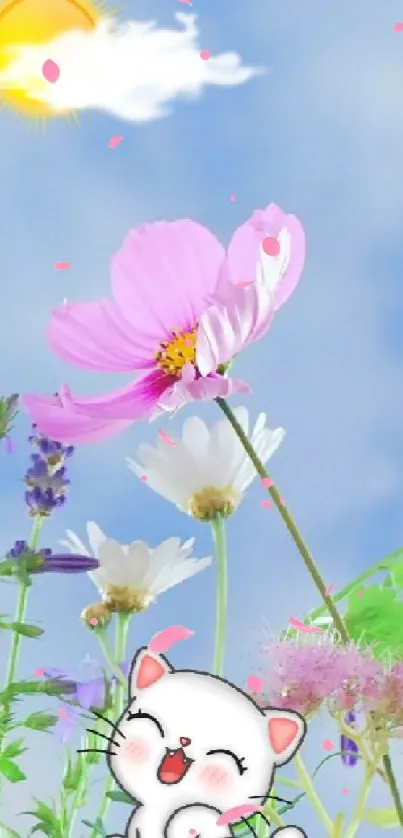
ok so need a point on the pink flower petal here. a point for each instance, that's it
(165, 438)
(50, 71)
(297, 624)
(187, 390)
(163, 640)
(330, 589)
(224, 329)
(237, 812)
(67, 425)
(398, 27)
(267, 504)
(95, 336)
(62, 266)
(267, 483)
(244, 252)
(115, 141)
(205, 55)
(162, 275)
(254, 684)
(328, 745)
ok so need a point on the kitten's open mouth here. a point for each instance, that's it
(173, 767)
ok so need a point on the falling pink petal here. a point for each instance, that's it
(328, 745)
(39, 672)
(50, 71)
(205, 55)
(344, 791)
(62, 266)
(232, 197)
(162, 435)
(254, 684)
(267, 483)
(163, 640)
(398, 27)
(94, 621)
(297, 624)
(238, 812)
(9, 445)
(187, 3)
(271, 246)
(62, 713)
(115, 141)
(144, 478)
(330, 589)
(361, 592)
(267, 504)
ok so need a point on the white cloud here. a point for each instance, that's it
(131, 70)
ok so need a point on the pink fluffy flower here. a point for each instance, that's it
(182, 309)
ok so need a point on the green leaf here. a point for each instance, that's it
(10, 770)
(40, 721)
(120, 797)
(14, 749)
(376, 619)
(26, 629)
(97, 827)
(10, 832)
(385, 818)
(48, 822)
(73, 774)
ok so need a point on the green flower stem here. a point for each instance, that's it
(362, 797)
(307, 785)
(218, 531)
(122, 628)
(307, 558)
(397, 800)
(109, 658)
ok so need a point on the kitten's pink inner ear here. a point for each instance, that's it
(150, 670)
(282, 733)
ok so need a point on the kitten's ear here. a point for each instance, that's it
(286, 731)
(147, 668)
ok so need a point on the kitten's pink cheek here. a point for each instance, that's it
(135, 750)
(214, 776)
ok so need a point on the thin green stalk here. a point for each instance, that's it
(218, 531)
(305, 553)
(393, 787)
(362, 798)
(311, 794)
(109, 658)
(122, 628)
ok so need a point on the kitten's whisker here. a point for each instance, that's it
(95, 751)
(269, 797)
(103, 735)
(108, 721)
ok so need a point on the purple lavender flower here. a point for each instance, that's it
(349, 749)
(44, 561)
(87, 694)
(68, 718)
(46, 477)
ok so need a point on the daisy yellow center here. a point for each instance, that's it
(174, 354)
(126, 600)
(211, 502)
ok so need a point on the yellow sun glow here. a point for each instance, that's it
(34, 22)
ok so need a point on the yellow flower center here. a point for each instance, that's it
(126, 600)
(174, 354)
(210, 502)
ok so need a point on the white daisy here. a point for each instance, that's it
(131, 576)
(206, 472)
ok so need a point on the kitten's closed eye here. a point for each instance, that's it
(140, 715)
(238, 760)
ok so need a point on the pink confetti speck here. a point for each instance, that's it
(267, 483)
(144, 478)
(297, 624)
(328, 745)
(62, 266)
(282, 501)
(330, 589)
(344, 791)
(62, 713)
(94, 621)
(361, 592)
(254, 684)
(114, 142)
(238, 812)
(271, 246)
(163, 640)
(398, 27)
(9, 445)
(187, 3)
(165, 438)
(266, 504)
(50, 71)
(232, 197)
(205, 55)
(39, 672)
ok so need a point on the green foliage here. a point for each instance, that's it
(120, 797)
(376, 619)
(384, 818)
(40, 721)
(14, 749)
(47, 821)
(10, 770)
(17, 689)
(11, 833)
(97, 827)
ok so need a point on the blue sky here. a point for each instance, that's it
(321, 135)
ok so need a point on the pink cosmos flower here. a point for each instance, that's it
(182, 309)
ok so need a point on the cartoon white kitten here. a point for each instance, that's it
(191, 746)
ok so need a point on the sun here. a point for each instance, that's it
(34, 22)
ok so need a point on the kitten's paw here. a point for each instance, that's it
(197, 817)
(289, 832)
